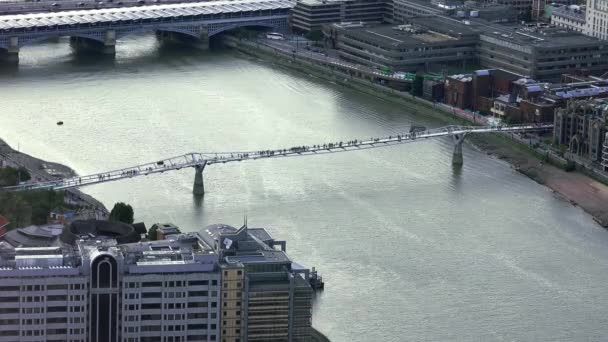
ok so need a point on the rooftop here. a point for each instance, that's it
(572, 12)
(532, 35)
(244, 245)
(34, 236)
(401, 35)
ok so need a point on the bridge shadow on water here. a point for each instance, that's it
(456, 179)
(57, 58)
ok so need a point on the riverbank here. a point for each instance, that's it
(42, 170)
(574, 187)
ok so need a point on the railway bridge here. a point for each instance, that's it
(200, 160)
(100, 29)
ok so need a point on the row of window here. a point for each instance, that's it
(157, 306)
(176, 283)
(41, 287)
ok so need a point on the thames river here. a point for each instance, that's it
(410, 249)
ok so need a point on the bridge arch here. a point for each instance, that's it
(214, 30)
(94, 36)
(25, 41)
(191, 32)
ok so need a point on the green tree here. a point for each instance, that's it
(417, 85)
(122, 212)
(314, 35)
(24, 174)
(562, 150)
(10, 176)
(152, 233)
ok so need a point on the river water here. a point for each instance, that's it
(411, 249)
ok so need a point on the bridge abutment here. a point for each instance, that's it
(105, 47)
(199, 186)
(10, 54)
(457, 159)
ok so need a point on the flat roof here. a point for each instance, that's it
(393, 35)
(544, 37)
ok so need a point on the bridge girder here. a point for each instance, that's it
(200, 160)
(196, 28)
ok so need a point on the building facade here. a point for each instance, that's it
(276, 297)
(541, 53)
(409, 47)
(569, 16)
(597, 19)
(101, 284)
(581, 127)
(310, 15)
(405, 9)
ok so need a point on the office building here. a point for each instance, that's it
(310, 15)
(569, 16)
(542, 53)
(597, 19)
(276, 302)
(539, 51)
(406, 9)
(410, 47)
(99, 282)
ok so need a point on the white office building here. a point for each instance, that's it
(93, 288)
(597, 19)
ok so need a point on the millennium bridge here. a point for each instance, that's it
(201, 159)
(99, 29)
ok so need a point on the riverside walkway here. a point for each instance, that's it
(199, 160)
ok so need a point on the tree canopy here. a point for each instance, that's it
(152, 233)
(29, 207)
(11, 176)
(122, 212)
(314, 35)
(417, 85)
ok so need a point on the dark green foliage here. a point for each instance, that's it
(10, 176)
(122, 212)
(417, 85)
(562, 150)
(314, 35)
(24, 174)
(29, 207)
(152, 233)
(527, 15)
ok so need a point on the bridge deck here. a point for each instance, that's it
(133, 14)
(204, 158)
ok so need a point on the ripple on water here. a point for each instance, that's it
(411, 248)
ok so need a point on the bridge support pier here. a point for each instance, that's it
(199, 186)
(105, 47)
(10, 54)
(457, 159)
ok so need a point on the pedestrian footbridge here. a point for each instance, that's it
(199, 160)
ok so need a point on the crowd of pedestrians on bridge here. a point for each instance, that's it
(313, 148)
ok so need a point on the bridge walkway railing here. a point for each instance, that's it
(207, 158)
